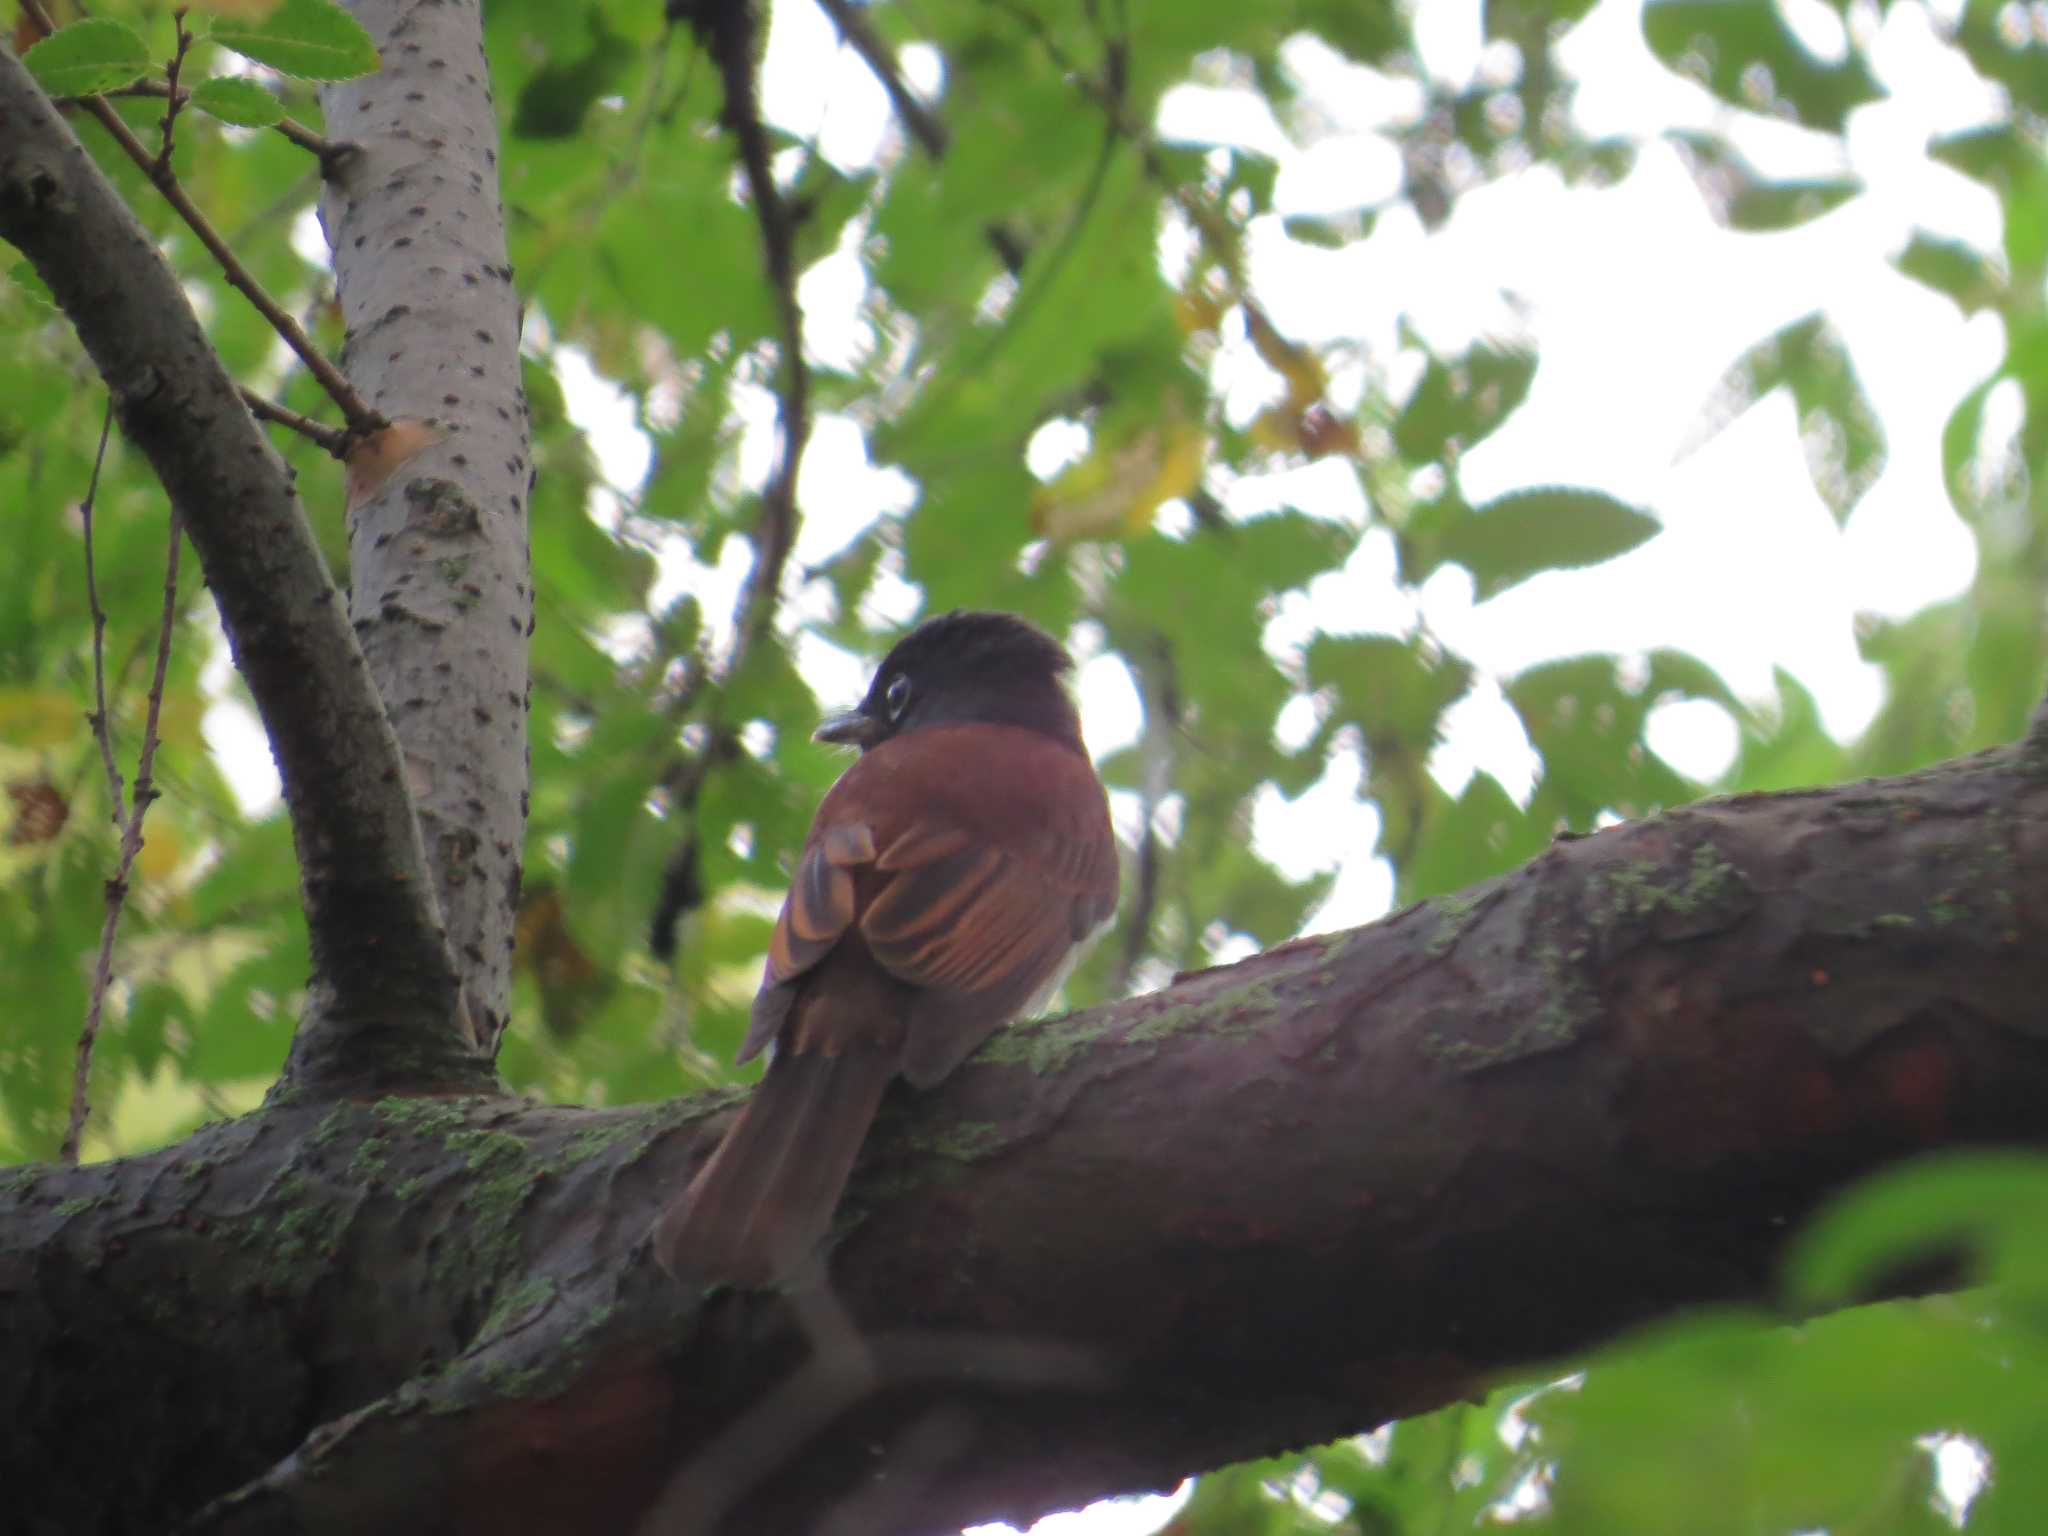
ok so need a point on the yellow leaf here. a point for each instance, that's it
(1179, 474)
(1301, 368)
(162, 852)
(1091, 499)
(1198, 312)
(241, 10)
(1118, 488)
(39, 717)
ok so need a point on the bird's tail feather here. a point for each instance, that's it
(757, 1209)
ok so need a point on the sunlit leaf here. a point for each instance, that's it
(88, 56)
(235, 99)
(311, 39)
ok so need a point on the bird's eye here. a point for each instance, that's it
(898, 697)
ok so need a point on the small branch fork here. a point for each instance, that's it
(362, 421)
(129, 817)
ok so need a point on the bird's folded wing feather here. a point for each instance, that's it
(974, 900)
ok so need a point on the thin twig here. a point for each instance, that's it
(287, 127)
(361, 419)
(173, 97)
(853, 26)
(102, 727)
(131, 846)
(334, 440)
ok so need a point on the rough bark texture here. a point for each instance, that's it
(378, 953)
(440, 597)
(1345, 1181)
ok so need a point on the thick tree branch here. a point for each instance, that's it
(377, 948)
(1379, 1169)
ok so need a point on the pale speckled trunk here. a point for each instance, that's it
(441, 594)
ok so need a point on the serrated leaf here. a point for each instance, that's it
(88, 57)
(1523, 533)
(1461, 400)
(1839, 430)
(239, 101)
(309, 39)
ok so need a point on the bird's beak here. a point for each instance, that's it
(852, 729)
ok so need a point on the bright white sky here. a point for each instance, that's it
(1638, 303)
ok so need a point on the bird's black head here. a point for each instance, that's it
(962, 667)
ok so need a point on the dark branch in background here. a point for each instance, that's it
(377, 946)
(729, 31)
(131, 843)
(361, 419)
(682, 887)
(853, 26)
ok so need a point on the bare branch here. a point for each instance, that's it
(131, 846)
(173, 97)
(102, 725)
(334, 441)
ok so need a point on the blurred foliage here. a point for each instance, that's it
(1061, 264)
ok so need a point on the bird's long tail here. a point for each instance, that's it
(757, 1209)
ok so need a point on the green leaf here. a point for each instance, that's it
(1743, 52)
(1741, 198)
(238, 100)
(1394, 690)
(310, 39)
(1991, 1205)
(88, 57)
(1461, 400)
(1480, 834)
(1952, 267)
(1585, 717)
(1523, 533)
(561, 92)
(1840, 431)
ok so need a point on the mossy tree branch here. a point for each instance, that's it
(1380, 1169)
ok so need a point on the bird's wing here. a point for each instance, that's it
(972, 891)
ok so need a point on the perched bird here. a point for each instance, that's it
(948, 883)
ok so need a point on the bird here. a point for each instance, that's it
(950, 879)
